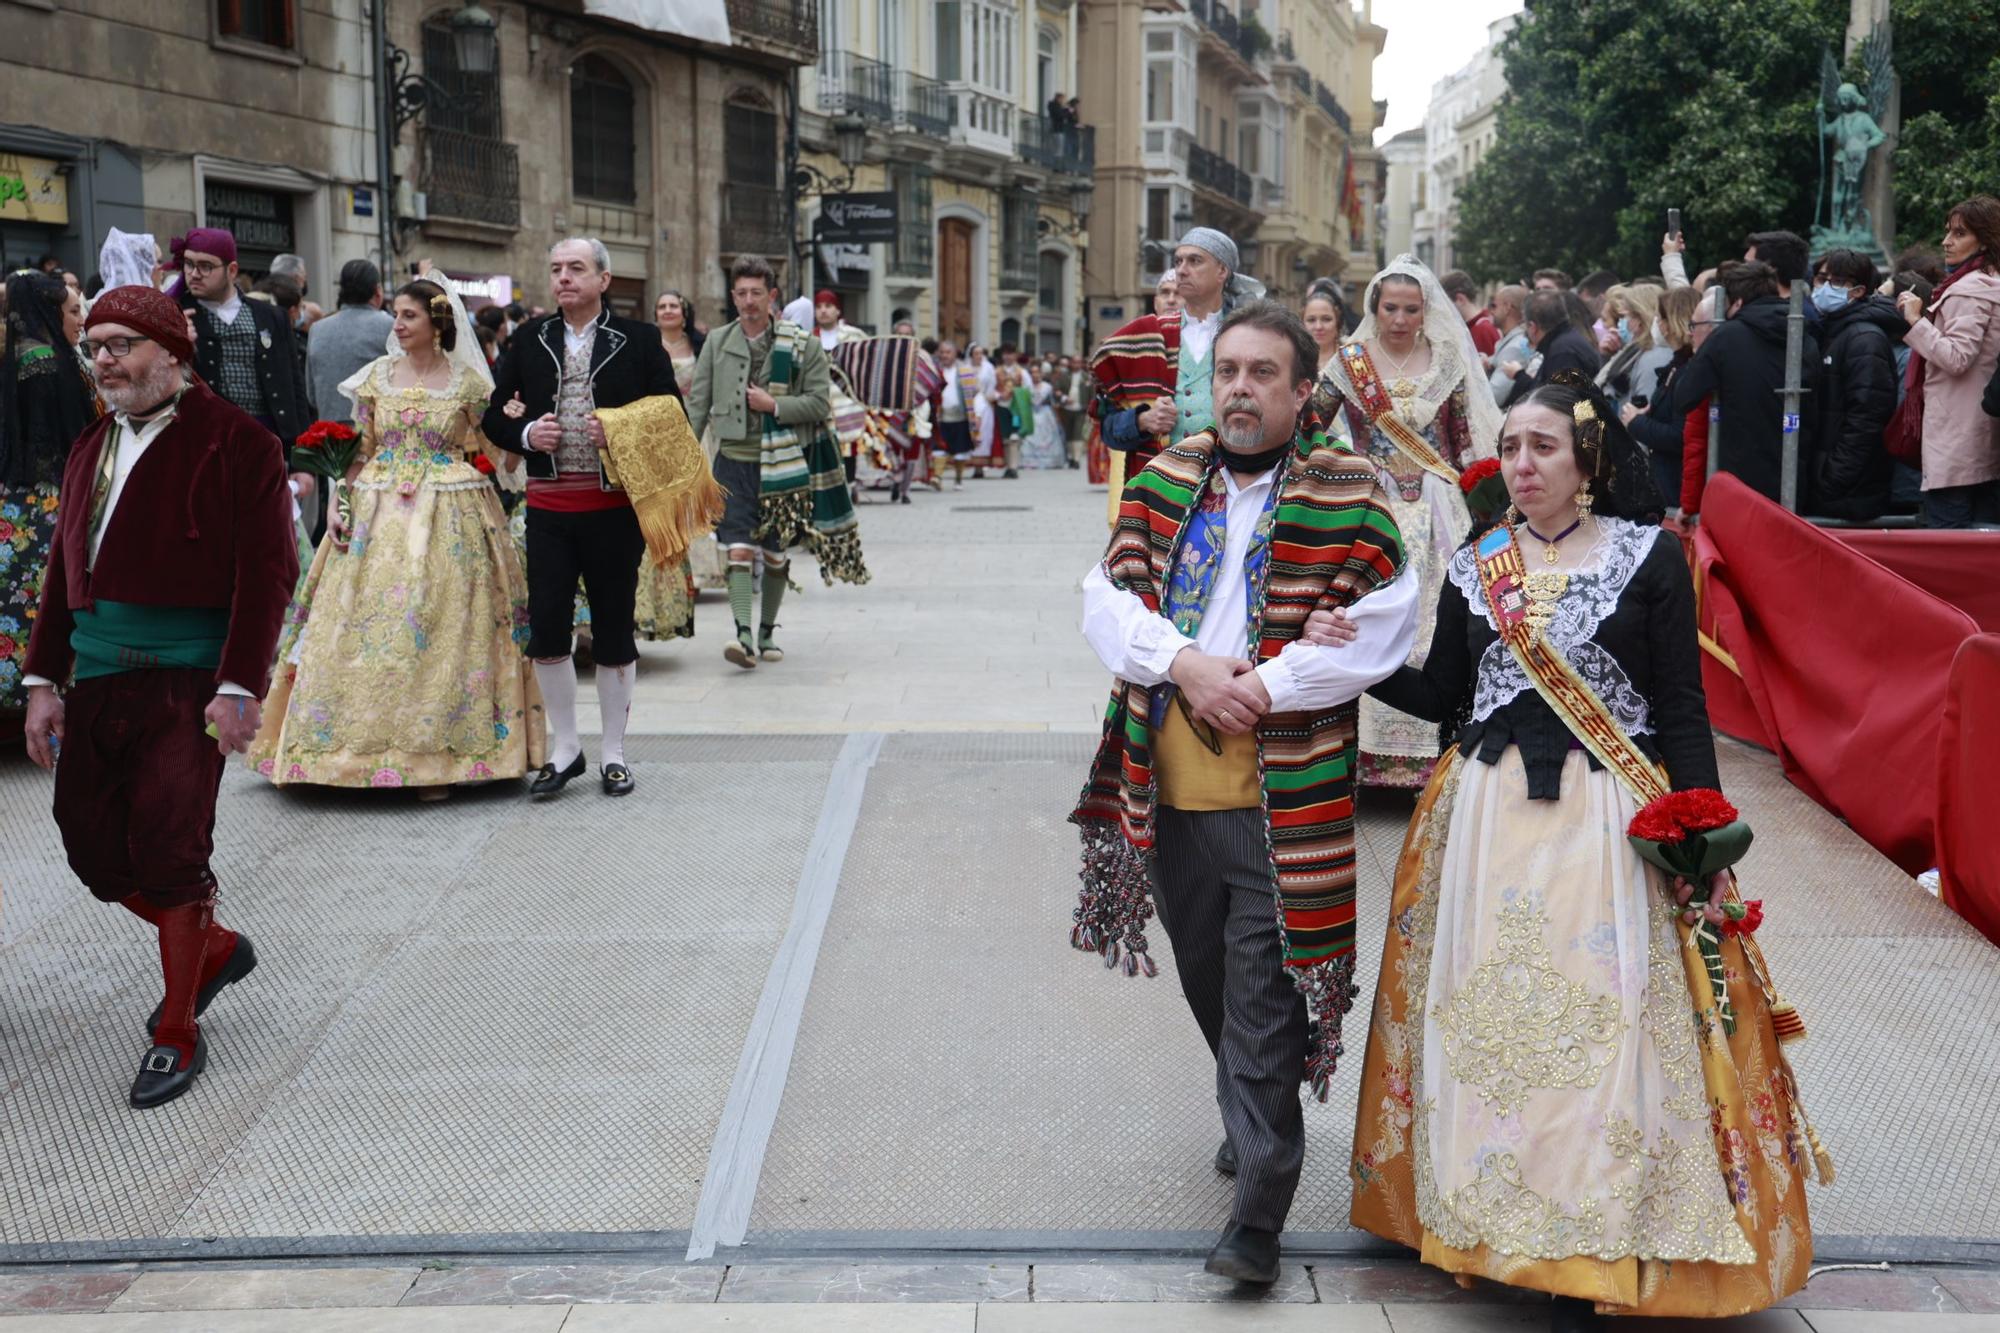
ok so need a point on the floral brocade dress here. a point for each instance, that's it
(401, 661)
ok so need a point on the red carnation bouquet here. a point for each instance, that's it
(1693, 834)
(326, 449)
(1485, 490)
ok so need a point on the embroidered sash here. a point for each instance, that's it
(1380, 410)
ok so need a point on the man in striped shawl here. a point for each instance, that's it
(1223, 788)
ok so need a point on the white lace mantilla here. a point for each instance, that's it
(1592, 595)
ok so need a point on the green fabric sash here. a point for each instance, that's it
(127, 636)
(802, 484)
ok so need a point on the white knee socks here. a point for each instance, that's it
(614, 707)
(558, 682)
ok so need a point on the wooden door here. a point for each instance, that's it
(955, 256)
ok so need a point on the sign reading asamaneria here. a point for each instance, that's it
(32, 190)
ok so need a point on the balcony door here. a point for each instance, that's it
(955, 256)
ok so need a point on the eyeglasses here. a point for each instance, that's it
(119, 348)
(201, 268)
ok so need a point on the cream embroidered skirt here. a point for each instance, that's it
(1540, 1104)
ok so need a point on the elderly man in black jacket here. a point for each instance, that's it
(562, 368)
(1850, 469)
(1743, 365)
(1559, 345)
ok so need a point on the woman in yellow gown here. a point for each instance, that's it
(401, 663)
(1549, 1098)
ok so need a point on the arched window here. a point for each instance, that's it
(603, 140)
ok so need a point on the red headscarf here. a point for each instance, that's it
(145, 310)
(828, 296)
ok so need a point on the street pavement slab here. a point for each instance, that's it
(507, 1050)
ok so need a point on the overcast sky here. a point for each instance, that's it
(1428, 39)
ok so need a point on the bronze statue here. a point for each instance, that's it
(1850, 130)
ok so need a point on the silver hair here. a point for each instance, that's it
(289, 265)
(598, 254)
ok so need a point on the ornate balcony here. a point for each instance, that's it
(1068, 152)
(471, 177)
(851, 84)
(1212, 171)
(753, 220)
(788, 28)
(923, 105)
(1331, 105)
(980, 120)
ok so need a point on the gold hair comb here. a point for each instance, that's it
(1585, 412)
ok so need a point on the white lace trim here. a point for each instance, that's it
(1593, 594)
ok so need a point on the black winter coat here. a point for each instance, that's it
(627, 363)
(1568, 348)
(285, 400)
(1743, 365)
(1850, 469)
(1658, 428)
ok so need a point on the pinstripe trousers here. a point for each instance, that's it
(1213, 890)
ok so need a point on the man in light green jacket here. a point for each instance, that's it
(730, 392)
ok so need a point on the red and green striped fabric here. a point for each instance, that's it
(1333, 540)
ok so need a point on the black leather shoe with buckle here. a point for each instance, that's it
(1248, 1254)
(548, 782)
(240, 965)
(617, 780)
(163, 1075)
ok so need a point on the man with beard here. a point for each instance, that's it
(166, 587)
(1224, 774)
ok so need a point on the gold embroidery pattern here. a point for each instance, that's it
(1519, 1023)
(1669, 1023)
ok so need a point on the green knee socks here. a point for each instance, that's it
(774, 592)
(740, 590)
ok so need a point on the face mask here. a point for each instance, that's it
(1829, 298)
(1624, 329)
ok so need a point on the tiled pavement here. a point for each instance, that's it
(1103, 1296)
(356, 1104)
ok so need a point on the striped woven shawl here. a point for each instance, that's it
(1333, 540)
(1133, 367)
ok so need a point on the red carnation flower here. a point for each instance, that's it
(1753, 917)
(1469, 479)
(1702, 809)
(1656, 823)
(483, 464)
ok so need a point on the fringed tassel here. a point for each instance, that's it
(1785, 1020)
(839, 556)
(1329, 989)
(787, 516)
(672, 521)
(1115, 904)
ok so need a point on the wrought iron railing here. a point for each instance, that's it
(923, 105)
(753, 219)
(912, 256)
(1219, 18)
(790, 23)
(1215, 172)
(472, 177)
(1070, 150)
(1331, 105)
(855, 85)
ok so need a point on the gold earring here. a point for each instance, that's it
(1513, 514)
(1583, 501)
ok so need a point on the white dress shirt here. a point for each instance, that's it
(1198, 335)
(225, 311)
(1135, 644)
(574, 337)
(132, 442)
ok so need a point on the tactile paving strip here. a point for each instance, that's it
(479, 1016)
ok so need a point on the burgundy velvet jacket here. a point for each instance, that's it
(205, 520)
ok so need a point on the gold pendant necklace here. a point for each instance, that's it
(1552, 546)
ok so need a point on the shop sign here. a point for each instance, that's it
(858, 219)
(259, 219)
(33, 190)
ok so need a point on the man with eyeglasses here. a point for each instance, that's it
(244, 349)
(169, 571)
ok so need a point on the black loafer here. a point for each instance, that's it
(617, 780)
(548, 782)
(1225, 1158)
(1248, 1254)
(163, 1075)
(240, 965)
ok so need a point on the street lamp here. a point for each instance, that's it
(474, 38)
(850, 141)
(474, 46)
(1081, 195)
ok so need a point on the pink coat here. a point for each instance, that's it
(1960, 345)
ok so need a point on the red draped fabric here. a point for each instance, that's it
(1840, 665)
(1962, 568)
(1969, 786)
